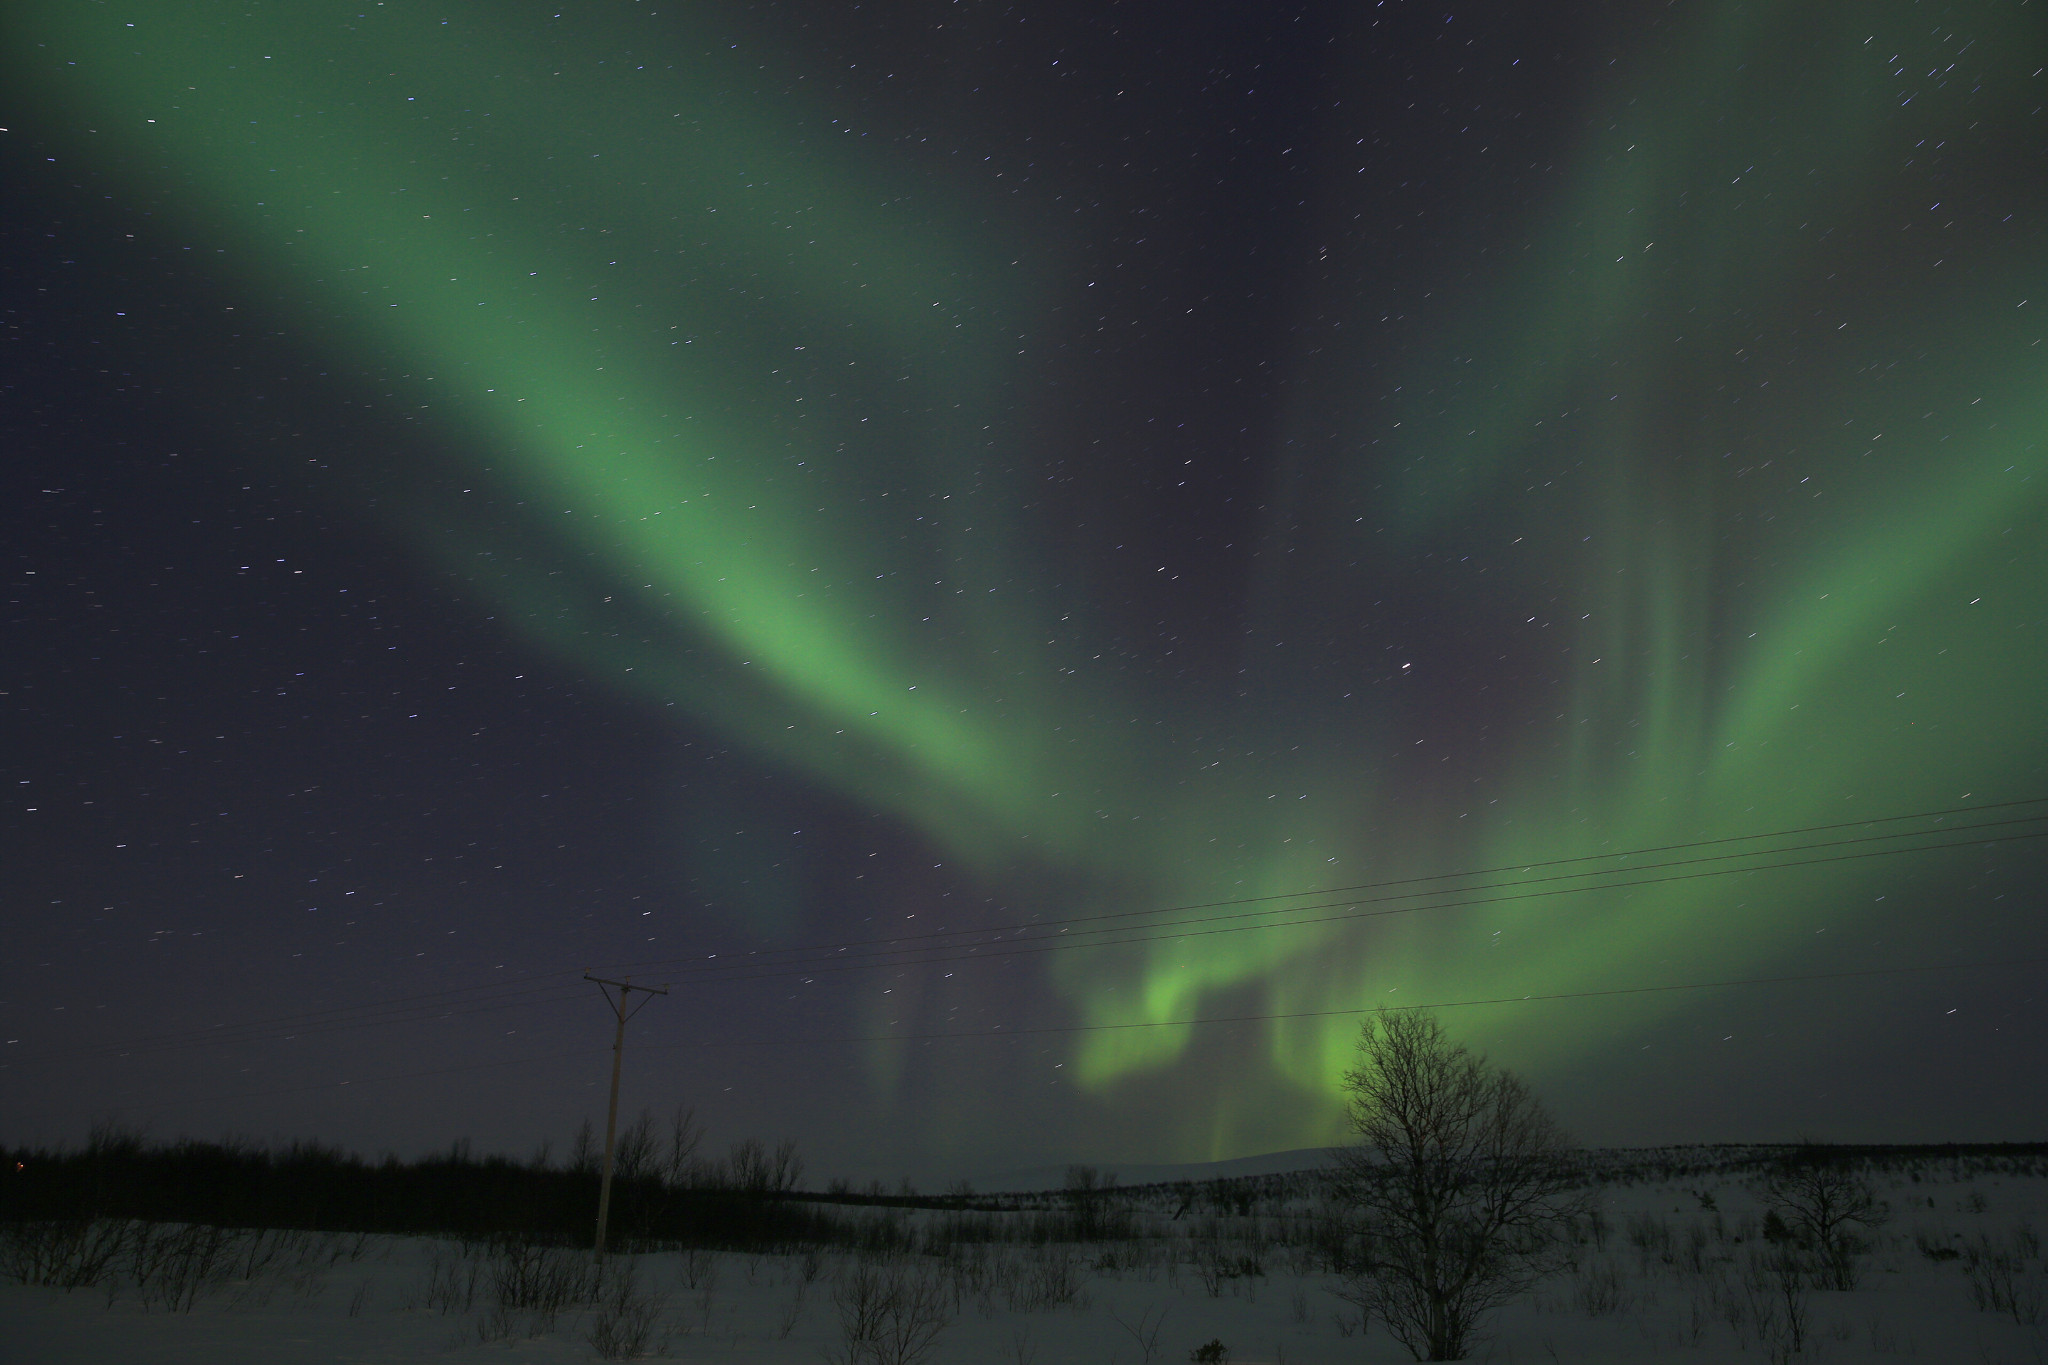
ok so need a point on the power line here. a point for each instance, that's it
(1046, 1030)
(1374, 1009)
(1025, 925)
(743, 970)
(402, 1009)
(944, 954)
(754, 966)
(253, 1033)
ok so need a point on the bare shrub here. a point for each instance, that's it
(700, 1277)
(452, 1278)
(76, 1253)
(1693, 1256)
(1829, 1207)
(626, 1317)
(1999, 1282)
(788, 1315)
(699, 1269)
(496, 1325)
(1048, 1278)
(1463, 1180)
(171, 1265)
(889, 1315)
(1145, 1331)
(1598, 1289)
(1091, 1198)
(1651, 1237)
(751, 1166)
(679, 1157)
(637, 1150)
(584, 1154)
(539, 1280)
(1775, 1296)
(1219, 1263)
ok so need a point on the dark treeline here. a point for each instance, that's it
(748, 1200)
(664, 1195)
(454, 1193)
(1623, 1166)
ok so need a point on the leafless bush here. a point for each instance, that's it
(626, 1318)
(1145, 1331)
(69, 1254)
(298, 1260)
(495, 1325)
(976, 1271)
(1598, 1289)
(1830, 1208)
(584, 1153)
(679, 1156)
(452, 1277)
(1218, 1262)
(1651, 1237)
(1775, 1296)
(789, 1314)
(1694, 1256)
(752, 1167)
(1047, 1278)
(261, 1248)
(700, 1277)
(172, 1264)
(1699, 1315)
(542, 1281)
(699, 1269)
(1091, 1198)
(1999, 1282)
(888, 1315)
(637, 1151)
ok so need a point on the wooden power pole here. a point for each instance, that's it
(611, 1123)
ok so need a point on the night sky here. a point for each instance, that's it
(968, 536)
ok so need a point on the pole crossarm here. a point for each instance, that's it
(626, 985)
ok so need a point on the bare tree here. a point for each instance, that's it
(1090, 1194)
(637, 1152)
(752, 1167)
(888, 1315)
(684, 1137)
(1464, 1182)
(583, 1152)
(785, 1167)
(1830, 1207)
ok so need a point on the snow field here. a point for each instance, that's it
(1674, 1266)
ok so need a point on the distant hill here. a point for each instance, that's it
(1613, 1163)
(1158, 1173)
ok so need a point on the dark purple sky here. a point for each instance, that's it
(1140, 482)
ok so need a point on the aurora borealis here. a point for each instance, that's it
(1008, 466)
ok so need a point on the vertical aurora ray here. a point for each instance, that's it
(1859, 639)
(1763, 478)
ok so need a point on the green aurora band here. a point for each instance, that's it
(752, 395)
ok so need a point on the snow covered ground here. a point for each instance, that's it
(1670, 1271)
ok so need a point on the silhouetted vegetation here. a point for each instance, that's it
(1465, 1188)
(1750, 1245)
(750, 1204)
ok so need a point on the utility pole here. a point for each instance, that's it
(611, 1123)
